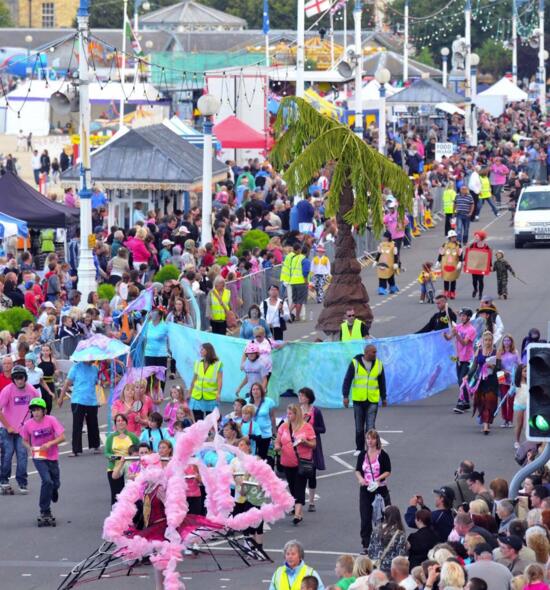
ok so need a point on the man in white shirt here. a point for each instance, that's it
(274, 309)
(400, 573)
(474, 186)
(36, 166)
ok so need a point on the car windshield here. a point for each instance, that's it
(533, 200)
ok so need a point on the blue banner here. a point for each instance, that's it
(416, 365)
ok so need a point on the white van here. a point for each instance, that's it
(532, 218)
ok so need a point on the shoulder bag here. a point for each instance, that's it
(306, 467)
(378, 562)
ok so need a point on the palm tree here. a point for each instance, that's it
(306, 142)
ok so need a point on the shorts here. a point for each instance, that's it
(520, 399)
(299, 294)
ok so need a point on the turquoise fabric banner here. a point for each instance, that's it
(416, 365)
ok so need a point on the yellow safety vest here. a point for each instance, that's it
(355, 333)
(206, 382)
(285, 270)
(282, 582)
(291, 272)
(217, 309)
(364, 387)
(449, 197)
(485, 192)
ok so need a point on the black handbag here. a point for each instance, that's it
(306, 468)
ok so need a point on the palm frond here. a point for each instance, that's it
(307, 141)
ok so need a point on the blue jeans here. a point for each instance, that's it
(481, 202)
(13, 443)
(462, 227)
(49, 475)
(365, 419)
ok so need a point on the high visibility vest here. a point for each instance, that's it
(364, 387)
(206, 382)
(355, 333)
(282, 582)
(485, 188)
(449, 197)
(296, 274)
(218, 311)
(47, 239)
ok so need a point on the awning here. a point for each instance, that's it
(449, 108)
(235, 134)
(11, 226)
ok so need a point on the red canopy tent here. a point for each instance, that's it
(233, 133)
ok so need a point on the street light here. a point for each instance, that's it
(137, 5)
(474, 63)
(382, 76)
(208, 106)
(28, 41)
(445, 57)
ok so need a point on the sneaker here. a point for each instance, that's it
(516, 445)
(509, 425)
(504, 425)
(458, 409)
(356, 453)
(55, 496)
(23, 490)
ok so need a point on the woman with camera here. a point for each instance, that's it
(117, 445)
(372, 470)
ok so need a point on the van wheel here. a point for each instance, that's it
(518, 243)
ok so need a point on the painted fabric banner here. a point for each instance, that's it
(416, 365)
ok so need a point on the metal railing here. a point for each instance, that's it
(253, 288)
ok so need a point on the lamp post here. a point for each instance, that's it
(445, 57)
(86, 268)
(406, 43)
(300, 49)
(474, 62)
(137, 5)
(208, 105)
(28, 41)
(383, 76)
(514, 42)
(542, 69)
(357, 12)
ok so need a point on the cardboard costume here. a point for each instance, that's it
(450, 254)
(478, 259)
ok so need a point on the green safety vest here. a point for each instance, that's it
(291, 272)
(217, 309)
(355, 333)
(485, 188)
(282, 582)
(364, 387)
(47, 241)
(206, 382)
(449, 196)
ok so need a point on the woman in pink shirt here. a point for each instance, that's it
(125, 405)
(136, 245)
(295, 439)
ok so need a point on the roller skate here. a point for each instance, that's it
(6, 489)
(46, 519)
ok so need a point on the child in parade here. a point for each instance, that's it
(42, 435)
(177, 398)
(154, 433)
(387, 263)
(320, 272)
(426, 279)
(502, 267)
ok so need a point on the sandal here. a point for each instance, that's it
(296, 521)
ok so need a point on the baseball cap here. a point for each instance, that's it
(167, 242)
(446, 492)
(481, 548)
(512, 541)
(48, 304)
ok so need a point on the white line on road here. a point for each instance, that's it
(342, 462)
(327, 475)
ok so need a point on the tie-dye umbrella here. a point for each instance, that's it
(99, 348)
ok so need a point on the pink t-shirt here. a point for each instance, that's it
(119, 407)
(14, 404)
(288, 454)
(193, 488)
(170, 412)
(38, 433)
(465, 352)
(369, 475)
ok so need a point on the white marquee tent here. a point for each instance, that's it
(505, 87)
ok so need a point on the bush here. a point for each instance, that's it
(11, 319)
(222, 260)
(106, 291)
(166, 273)
(255, 238)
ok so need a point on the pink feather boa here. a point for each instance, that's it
(166, 554)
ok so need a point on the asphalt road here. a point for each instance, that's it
(425, 441)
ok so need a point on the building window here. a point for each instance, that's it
(48, 15)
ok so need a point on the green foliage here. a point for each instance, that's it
(11, 319)
(493, 58)
(167, 273)
(222, 260)
(106, 291)
(309, 141)
(255, 238)
(282, 13)
(5, 15)
(425, 57)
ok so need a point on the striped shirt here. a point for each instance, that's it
(463, 203)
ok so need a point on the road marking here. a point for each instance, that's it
(327, 475)
(342, 462)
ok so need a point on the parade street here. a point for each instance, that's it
(424, 440)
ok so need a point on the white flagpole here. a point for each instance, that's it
(300, 49)
(123, 67)
(345, 27)
(331, 39)
(406, 44)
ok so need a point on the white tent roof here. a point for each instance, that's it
(41, 91)
(505, 87)
(371, 91)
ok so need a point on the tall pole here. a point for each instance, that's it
(514, 41)
(206, 231)
(445, 74)
(468, 69)
(86, 268)
(267, 59)
(345, 26)
(331, 17)
(123, 67)
(542, 69)
(382, 121)
(473, 112)
(357, 11)
(406, 44)
(300, 59)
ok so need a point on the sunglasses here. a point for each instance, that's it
(350, 316)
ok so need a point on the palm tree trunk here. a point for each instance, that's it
(346, 289)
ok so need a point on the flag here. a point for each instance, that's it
(265, 26)
(338, 6)
(131, 37)
(317, 7)
(143, 302)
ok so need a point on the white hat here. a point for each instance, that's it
(183, 230)
(48, 304)
(167, 242)
(452, 234)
